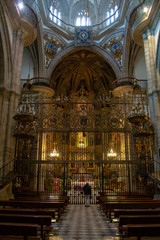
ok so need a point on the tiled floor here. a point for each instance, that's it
(84, 223)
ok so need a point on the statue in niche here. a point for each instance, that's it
(81, 139)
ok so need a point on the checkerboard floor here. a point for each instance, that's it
(84, 223)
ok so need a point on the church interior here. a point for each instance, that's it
(80, 103)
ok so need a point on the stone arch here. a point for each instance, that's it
(41, 50)
(1, 62)
(83, 68)
(95, 49)
(158, 55)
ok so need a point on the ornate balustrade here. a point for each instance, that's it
(38, 83)
(29, 18)
(139, 19)
(30, 14)
(123, 85)
(43, 82)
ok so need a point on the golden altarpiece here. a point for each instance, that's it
(65, 141)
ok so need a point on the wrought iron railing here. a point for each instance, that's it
(128, 81)
(7, 172)
(123, 81)
(43, 81)
(31, 12)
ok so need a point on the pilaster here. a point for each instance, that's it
(153, 89)
(9, 99)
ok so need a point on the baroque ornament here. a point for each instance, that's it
(51, 47)
(115, 47)
(83, 36)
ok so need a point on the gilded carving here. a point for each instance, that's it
(115, 47)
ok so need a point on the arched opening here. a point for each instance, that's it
(27, 64)
(82, 134)
(83, 68)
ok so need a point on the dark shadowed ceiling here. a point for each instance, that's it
(86, 69)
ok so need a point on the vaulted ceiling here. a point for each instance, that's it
(86, 69)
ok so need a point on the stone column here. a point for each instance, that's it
(153, 86)
(9, 99)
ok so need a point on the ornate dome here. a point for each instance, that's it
(84, 12)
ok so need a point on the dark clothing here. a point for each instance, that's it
(87, 189)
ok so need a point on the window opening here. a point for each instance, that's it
(55, 15)
(83, 19)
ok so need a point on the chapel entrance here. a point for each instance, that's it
(72, 129)
(81, 138)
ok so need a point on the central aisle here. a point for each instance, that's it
(84, 223)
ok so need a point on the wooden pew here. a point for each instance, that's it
(43, 198)
(130, 238)
(150, 238)
(105, 201)
(42, 220)
(142, 230)
(136, 219)
(142, 238)
(18, 229)
(108, 207)
(26, 211)
(104, 198)
(31, 204)
(19, 238)
(118, 212)
(117, 198)
(129, 194)
(58, 206)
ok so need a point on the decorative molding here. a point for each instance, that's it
(83, 36)
(115, 46)
(51, 46)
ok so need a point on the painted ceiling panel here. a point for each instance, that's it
(83, 69)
